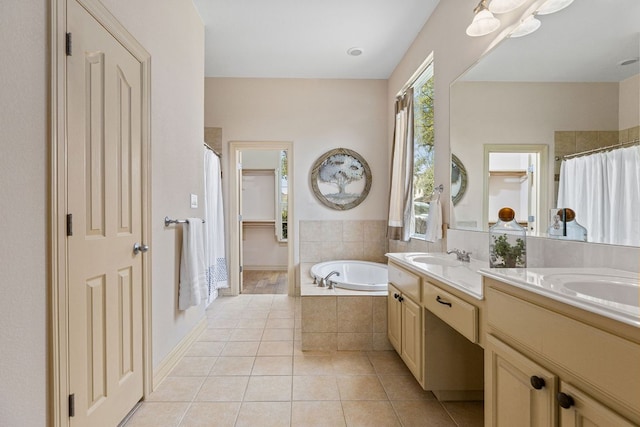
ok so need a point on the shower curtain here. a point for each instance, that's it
(604, 191)
(216, 262)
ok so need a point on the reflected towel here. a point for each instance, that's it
(434, 222)
(192, 265)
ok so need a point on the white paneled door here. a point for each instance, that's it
(105, 309)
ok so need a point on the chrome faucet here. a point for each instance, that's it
(461, 255)
(325, 281)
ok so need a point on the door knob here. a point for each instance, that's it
(137, 247)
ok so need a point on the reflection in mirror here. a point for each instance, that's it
(458, 179)
(572, 86)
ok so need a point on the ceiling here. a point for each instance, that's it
(583, 43)
(309, 38)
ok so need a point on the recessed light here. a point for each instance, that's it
(629, 61)
(355, 51)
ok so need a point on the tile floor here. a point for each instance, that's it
(264, 282)
(247, 369)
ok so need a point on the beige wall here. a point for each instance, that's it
(317, 115)
(629, 105)
(173, 33)
(492, 113)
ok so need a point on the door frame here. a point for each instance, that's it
(58, 293)
(235, 187)
(541, 177)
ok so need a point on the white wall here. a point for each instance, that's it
(173, 33)
(23, 209)
(317, 115)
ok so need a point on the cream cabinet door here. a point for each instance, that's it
(412, 336)
(394, 318)
(581, 410)
(518, 392)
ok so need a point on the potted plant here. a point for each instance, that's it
(507, 255)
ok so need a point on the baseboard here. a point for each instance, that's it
(172, 359)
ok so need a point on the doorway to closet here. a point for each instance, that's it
(261, 196)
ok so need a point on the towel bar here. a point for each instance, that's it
(168, 221)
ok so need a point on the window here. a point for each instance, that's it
(423, 150)
(282, 198)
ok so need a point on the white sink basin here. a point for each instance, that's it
(434, 260)
(616, 289)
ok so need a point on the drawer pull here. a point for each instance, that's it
(537, 382)
(441, 301)
(400, 299)
(396, 296)
(565, 401)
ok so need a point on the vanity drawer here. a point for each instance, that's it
(406, 282)
(459, 314)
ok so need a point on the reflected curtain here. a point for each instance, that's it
(604, 191)
(214, 236)
(401, 191)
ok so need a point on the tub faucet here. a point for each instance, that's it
(324, 282)
(461, 255)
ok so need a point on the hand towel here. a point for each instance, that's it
(192, 264)
(434, 222)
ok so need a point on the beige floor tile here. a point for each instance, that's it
(404, 387)
(414, 413)
(315, 387)
(252, 323)
(317, 414)
(222, 323)
(223, 389)
(233, 365)
(370, 414)
(193, 367)
(246, 334)
(212, 334)
(268, 389)
(208, 414)
(255, 314)
(313, 365)
(276, 348)
(467, 414)
(280, 323)
(388, 363)
(177, 389)
(273, 365)
(285, 334)
(240, 348)
(281, 314)
(158, 414)
(360, 387)
(205, 348)
(352, 363)
(264, 414)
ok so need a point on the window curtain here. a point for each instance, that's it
(400, 195)
(604, 191)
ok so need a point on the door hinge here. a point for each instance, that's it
(72, 405)
(69, 224)
(67, 43)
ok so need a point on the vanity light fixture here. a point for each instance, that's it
(505, 6)
(527, 26)
(553, 6)
(483, 22)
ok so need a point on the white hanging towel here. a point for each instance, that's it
(434, 222)
(192, 265)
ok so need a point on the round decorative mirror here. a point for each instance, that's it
(458, 179)
(341, 179)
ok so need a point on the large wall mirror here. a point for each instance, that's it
(572, 86)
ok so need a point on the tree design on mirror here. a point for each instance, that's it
(341, 179)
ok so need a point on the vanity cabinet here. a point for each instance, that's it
(548, 364)
(405, 330)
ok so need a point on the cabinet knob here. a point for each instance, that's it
(396, 296)
(401, 299)
(537, 382)
(565, 401)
